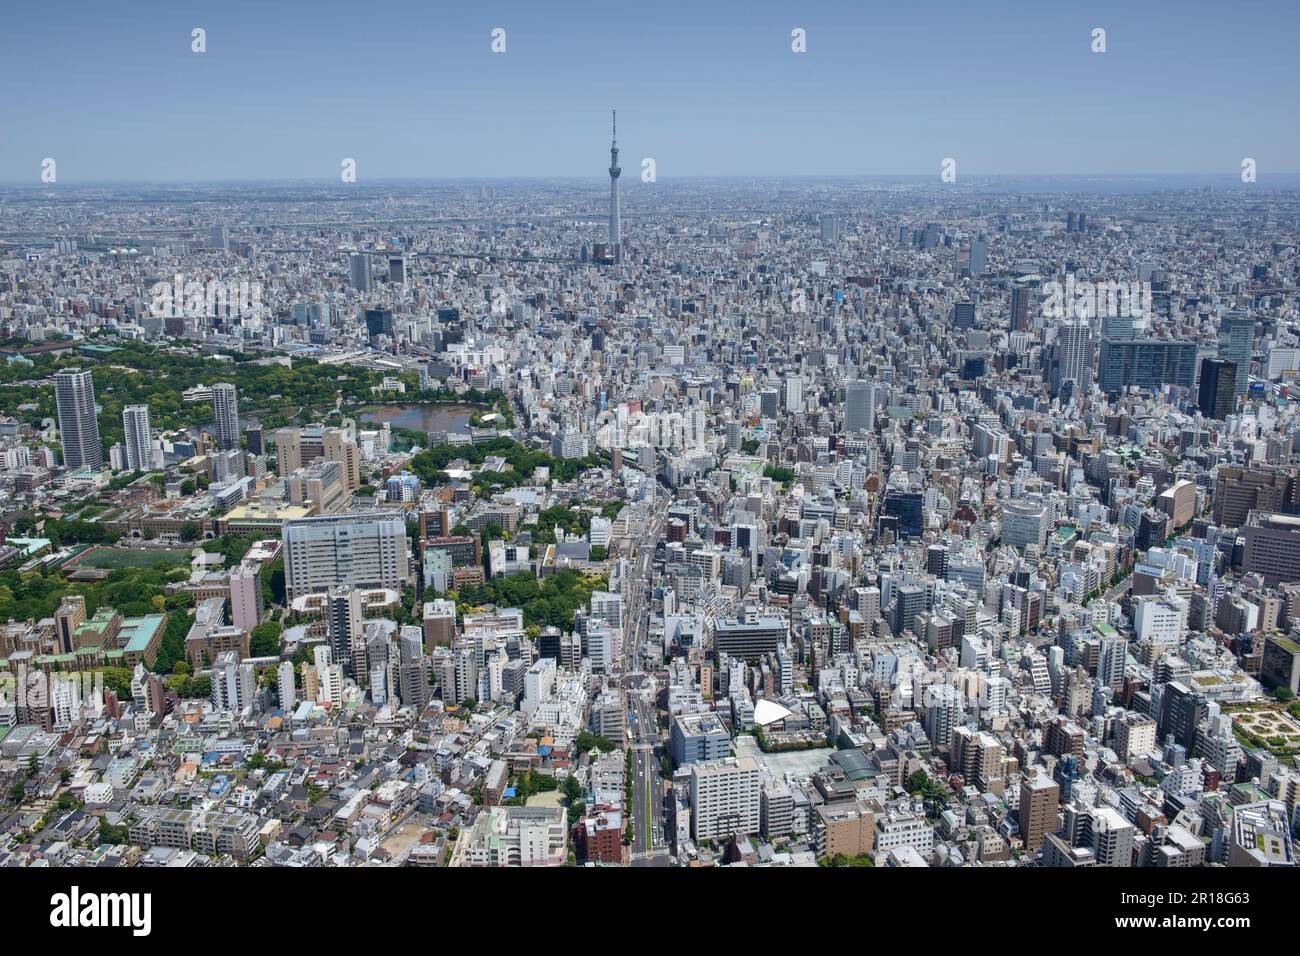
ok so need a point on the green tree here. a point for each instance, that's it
(264, 640)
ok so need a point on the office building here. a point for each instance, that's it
(750, 639)
(1236, 341)
(359, 265)
(1273, 546)
(1280, 664)
(1239, 491)
(1217, 395)
(1025, 524)
(859, 407)
(699, 738)
(364, 550)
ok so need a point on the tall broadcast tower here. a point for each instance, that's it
(615, 220)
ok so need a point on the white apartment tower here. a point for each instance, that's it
(138, 439)
(74, 395)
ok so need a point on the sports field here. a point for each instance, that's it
(110, 558)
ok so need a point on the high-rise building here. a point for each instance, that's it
(379, 321)
(979, 253)
(413, 669)
(233, 683)
(1111, 661)
(725, 797)
(942, 713)
(1072, 356)
(288, 451)
(225, 414)
(1146, 363)
(859, 407)
(539, 684)
(1217, 397)
(287, 690)
(979, 755)
(74, 395)
(359, 265)
(698, 738)
(1272, 547)
(70, 615)
(338, 446)
(365, 550)
(246, 596)
(1039, 796)
(1236, 339)
(1024, 302)
(1112, 838)
(138, 439)
(346, 631)
(439, 623)
(1238, 492)
(1181, 713)
(909, 508)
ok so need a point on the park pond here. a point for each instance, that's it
(423, 417)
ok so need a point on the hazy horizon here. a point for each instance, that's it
(286, 92)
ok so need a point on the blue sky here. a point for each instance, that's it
(286, 89)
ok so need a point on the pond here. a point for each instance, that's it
(421, 418)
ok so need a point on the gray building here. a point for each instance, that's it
(1236, 339)
(365, 550)
(138, 437)
(859, 407)
(699, 737)
(74, 395)
(1146, 363)
(362, 279)
(225, 413)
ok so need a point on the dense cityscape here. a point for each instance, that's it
(608, 521)
(789, 524)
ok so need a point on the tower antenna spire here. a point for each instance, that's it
(615, 218)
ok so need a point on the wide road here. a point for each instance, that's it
(648, 837)
(649, 845)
